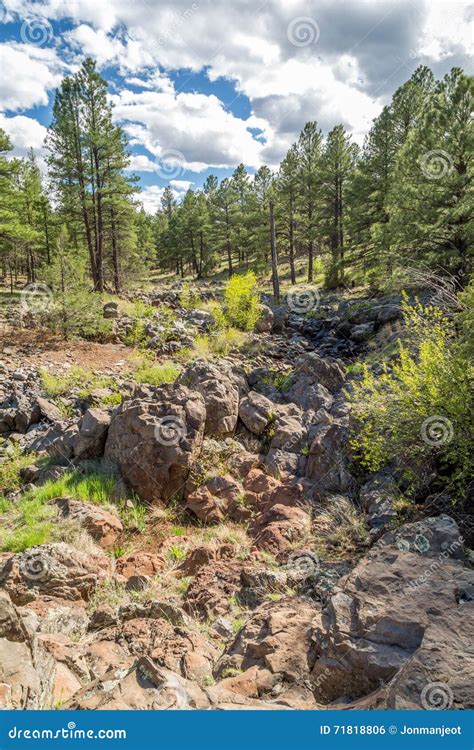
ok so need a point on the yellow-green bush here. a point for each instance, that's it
(242, 301)
(421, 412)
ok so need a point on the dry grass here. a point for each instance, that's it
(339, 530)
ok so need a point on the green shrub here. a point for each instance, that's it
(136, 336)
(419, 413)
(218, 343)
(188, 298)
(151, 374)
(242, 301)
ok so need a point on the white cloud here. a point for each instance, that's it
(362, 53)
(447, 32)
(29, 73)
(141, 163)
(181, 185)
(25, 133)
(196, 125)
(157, 81)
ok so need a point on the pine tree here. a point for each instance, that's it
(287, 184)
(337, 165)
(309, 154)
(87, 155)
(432, 191)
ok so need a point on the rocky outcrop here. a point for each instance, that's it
(377, 618)
(276, 643)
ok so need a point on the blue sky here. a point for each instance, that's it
(201, 86)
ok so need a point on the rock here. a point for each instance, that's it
(48, 410)
(277, 638)
(436, 537)
(362, 332)
(209, 593)
(26, 677)
(103, 526)
(378, 615)
(256, 412)
(264, 323)
(58, 442)
(377, 497)
(326, 371)
(280, 317)
(280, 527)
(153, 610)
(310, 396)
(25, 669)
(53, 570)
(223, 627)
(144, 686)
(328, 458)
(201, 556)
(216, 499)
(281, 464)
(11, 626)
(110, 310)
(439, 674)
(140, 564)
(289, 433)
(154, 439)
(220, 393)
(202, 319)
(89, 442)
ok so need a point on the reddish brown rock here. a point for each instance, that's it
(209, 594)
(140, 564)
(104, 526)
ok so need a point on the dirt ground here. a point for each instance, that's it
(34, 348)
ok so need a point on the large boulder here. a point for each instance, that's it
(439, 674)
(155, 437)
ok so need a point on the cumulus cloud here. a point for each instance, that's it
(25, 133)
(335, 61)
(196, 125)
(29, 73)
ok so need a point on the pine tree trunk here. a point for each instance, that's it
(275, 279)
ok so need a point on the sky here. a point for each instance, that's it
(200, 87)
